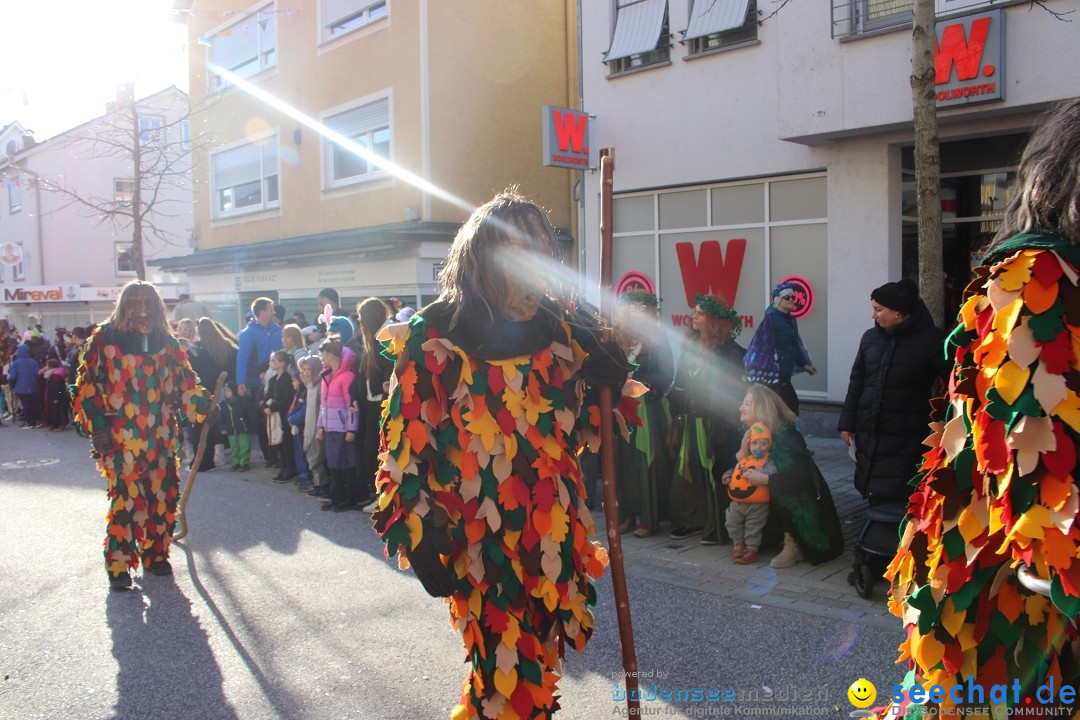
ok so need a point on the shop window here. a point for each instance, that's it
(803, 199)
(716, 24)
(245, 178)
(632, 214)
(642, 35)
(343, 16)
(738, 204)
(245, 48)
(683, 209)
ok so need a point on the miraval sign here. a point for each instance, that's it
(969, 59)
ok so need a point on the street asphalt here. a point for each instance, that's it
(279, 610)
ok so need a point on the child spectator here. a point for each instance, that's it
(749, 492)
(338, 423)
(57, 397)
(23, 377)
(297, 416)
(314, 452)
(234, 423)
(279, 396)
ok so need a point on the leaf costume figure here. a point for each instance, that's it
(998, 488)
(132, 380)
(480, 488)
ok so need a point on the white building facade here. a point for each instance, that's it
(747, 154)
(67, 255)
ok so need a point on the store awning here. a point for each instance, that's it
(637, 28)
(715, 16)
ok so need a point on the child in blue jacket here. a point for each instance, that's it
(23, 376)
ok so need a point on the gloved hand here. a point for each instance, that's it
(425, 562)
(606, 366)
(213, 414)
(101, 439)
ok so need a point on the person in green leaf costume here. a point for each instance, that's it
(480, 490)
(987, 574)
(132, 381)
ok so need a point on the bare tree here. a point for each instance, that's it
(155, 141)
(927, 159)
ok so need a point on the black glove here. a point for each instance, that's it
(101, 439)
(433, 574)
(606, 366)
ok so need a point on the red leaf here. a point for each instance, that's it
(1057, 354)
(1062, 461)
(1046, 269)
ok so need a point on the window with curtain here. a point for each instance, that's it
(720, 23)
(642, 36)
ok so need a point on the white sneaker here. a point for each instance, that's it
(371, 506)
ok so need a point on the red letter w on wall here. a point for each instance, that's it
(955, 48)
(569, 130)
(711, 272)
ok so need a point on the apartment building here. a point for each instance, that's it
(757, 141)
(446, 97)
(65, 225)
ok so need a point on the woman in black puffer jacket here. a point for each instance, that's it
(887, 408)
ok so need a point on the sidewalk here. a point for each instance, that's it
(822, 591)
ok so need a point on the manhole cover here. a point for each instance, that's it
(25, 464)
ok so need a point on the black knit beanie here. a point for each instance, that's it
(901, 296)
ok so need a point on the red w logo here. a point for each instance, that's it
(711, 271)
(955, 48)
(570, 130)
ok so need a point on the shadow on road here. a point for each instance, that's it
(166, 668)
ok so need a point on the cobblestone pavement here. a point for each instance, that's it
(822, 591)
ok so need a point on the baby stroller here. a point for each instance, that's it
(876, 545)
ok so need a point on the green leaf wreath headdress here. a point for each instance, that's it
(718, 309)
(642, 297)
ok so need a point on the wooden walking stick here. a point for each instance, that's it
(607, 448)
(181, 516)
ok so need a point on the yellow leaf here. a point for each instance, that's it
(512, 402)
(560, 524)
(1005, 320)
(1014, 272)
(1069, 411)
(483, 426)
(394, 426)
(926, 649)
(416, 529)
(505, 683)
(510, 366)
(466, 366)
(1031, 523)
(951, 618)
(1010, 381)
(535, 407)
(968, 312)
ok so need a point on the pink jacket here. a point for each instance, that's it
(335, 405)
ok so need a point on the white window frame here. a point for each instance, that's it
(119, 249)
(19, 272)
(736, 36)
(367, 135)
(339, 18)
(185, 135)
(266, 175)
(653, 57)
(151, 130)
(255, 20)
(14, 193)
(121, 197)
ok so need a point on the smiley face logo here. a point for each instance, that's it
(862, 693)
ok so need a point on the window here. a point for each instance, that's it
(341, 16)
(20, 270)
(125, 260)
(123, 192)
(720, 23)
(151, 130)
(245, 48)
(852, 17)
(642, 36)
(245, 178)
(185, 135)
(14, 191)
(369, 127)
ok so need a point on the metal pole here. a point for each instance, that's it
(607, 448)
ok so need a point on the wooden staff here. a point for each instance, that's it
(607, 448)
(181, 516)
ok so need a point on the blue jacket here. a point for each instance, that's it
(791, 354)
(24, 372)
(256, 345)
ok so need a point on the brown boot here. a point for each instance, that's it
(790, 555)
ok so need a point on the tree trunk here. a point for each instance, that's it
(927, 159)
(136, 193)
